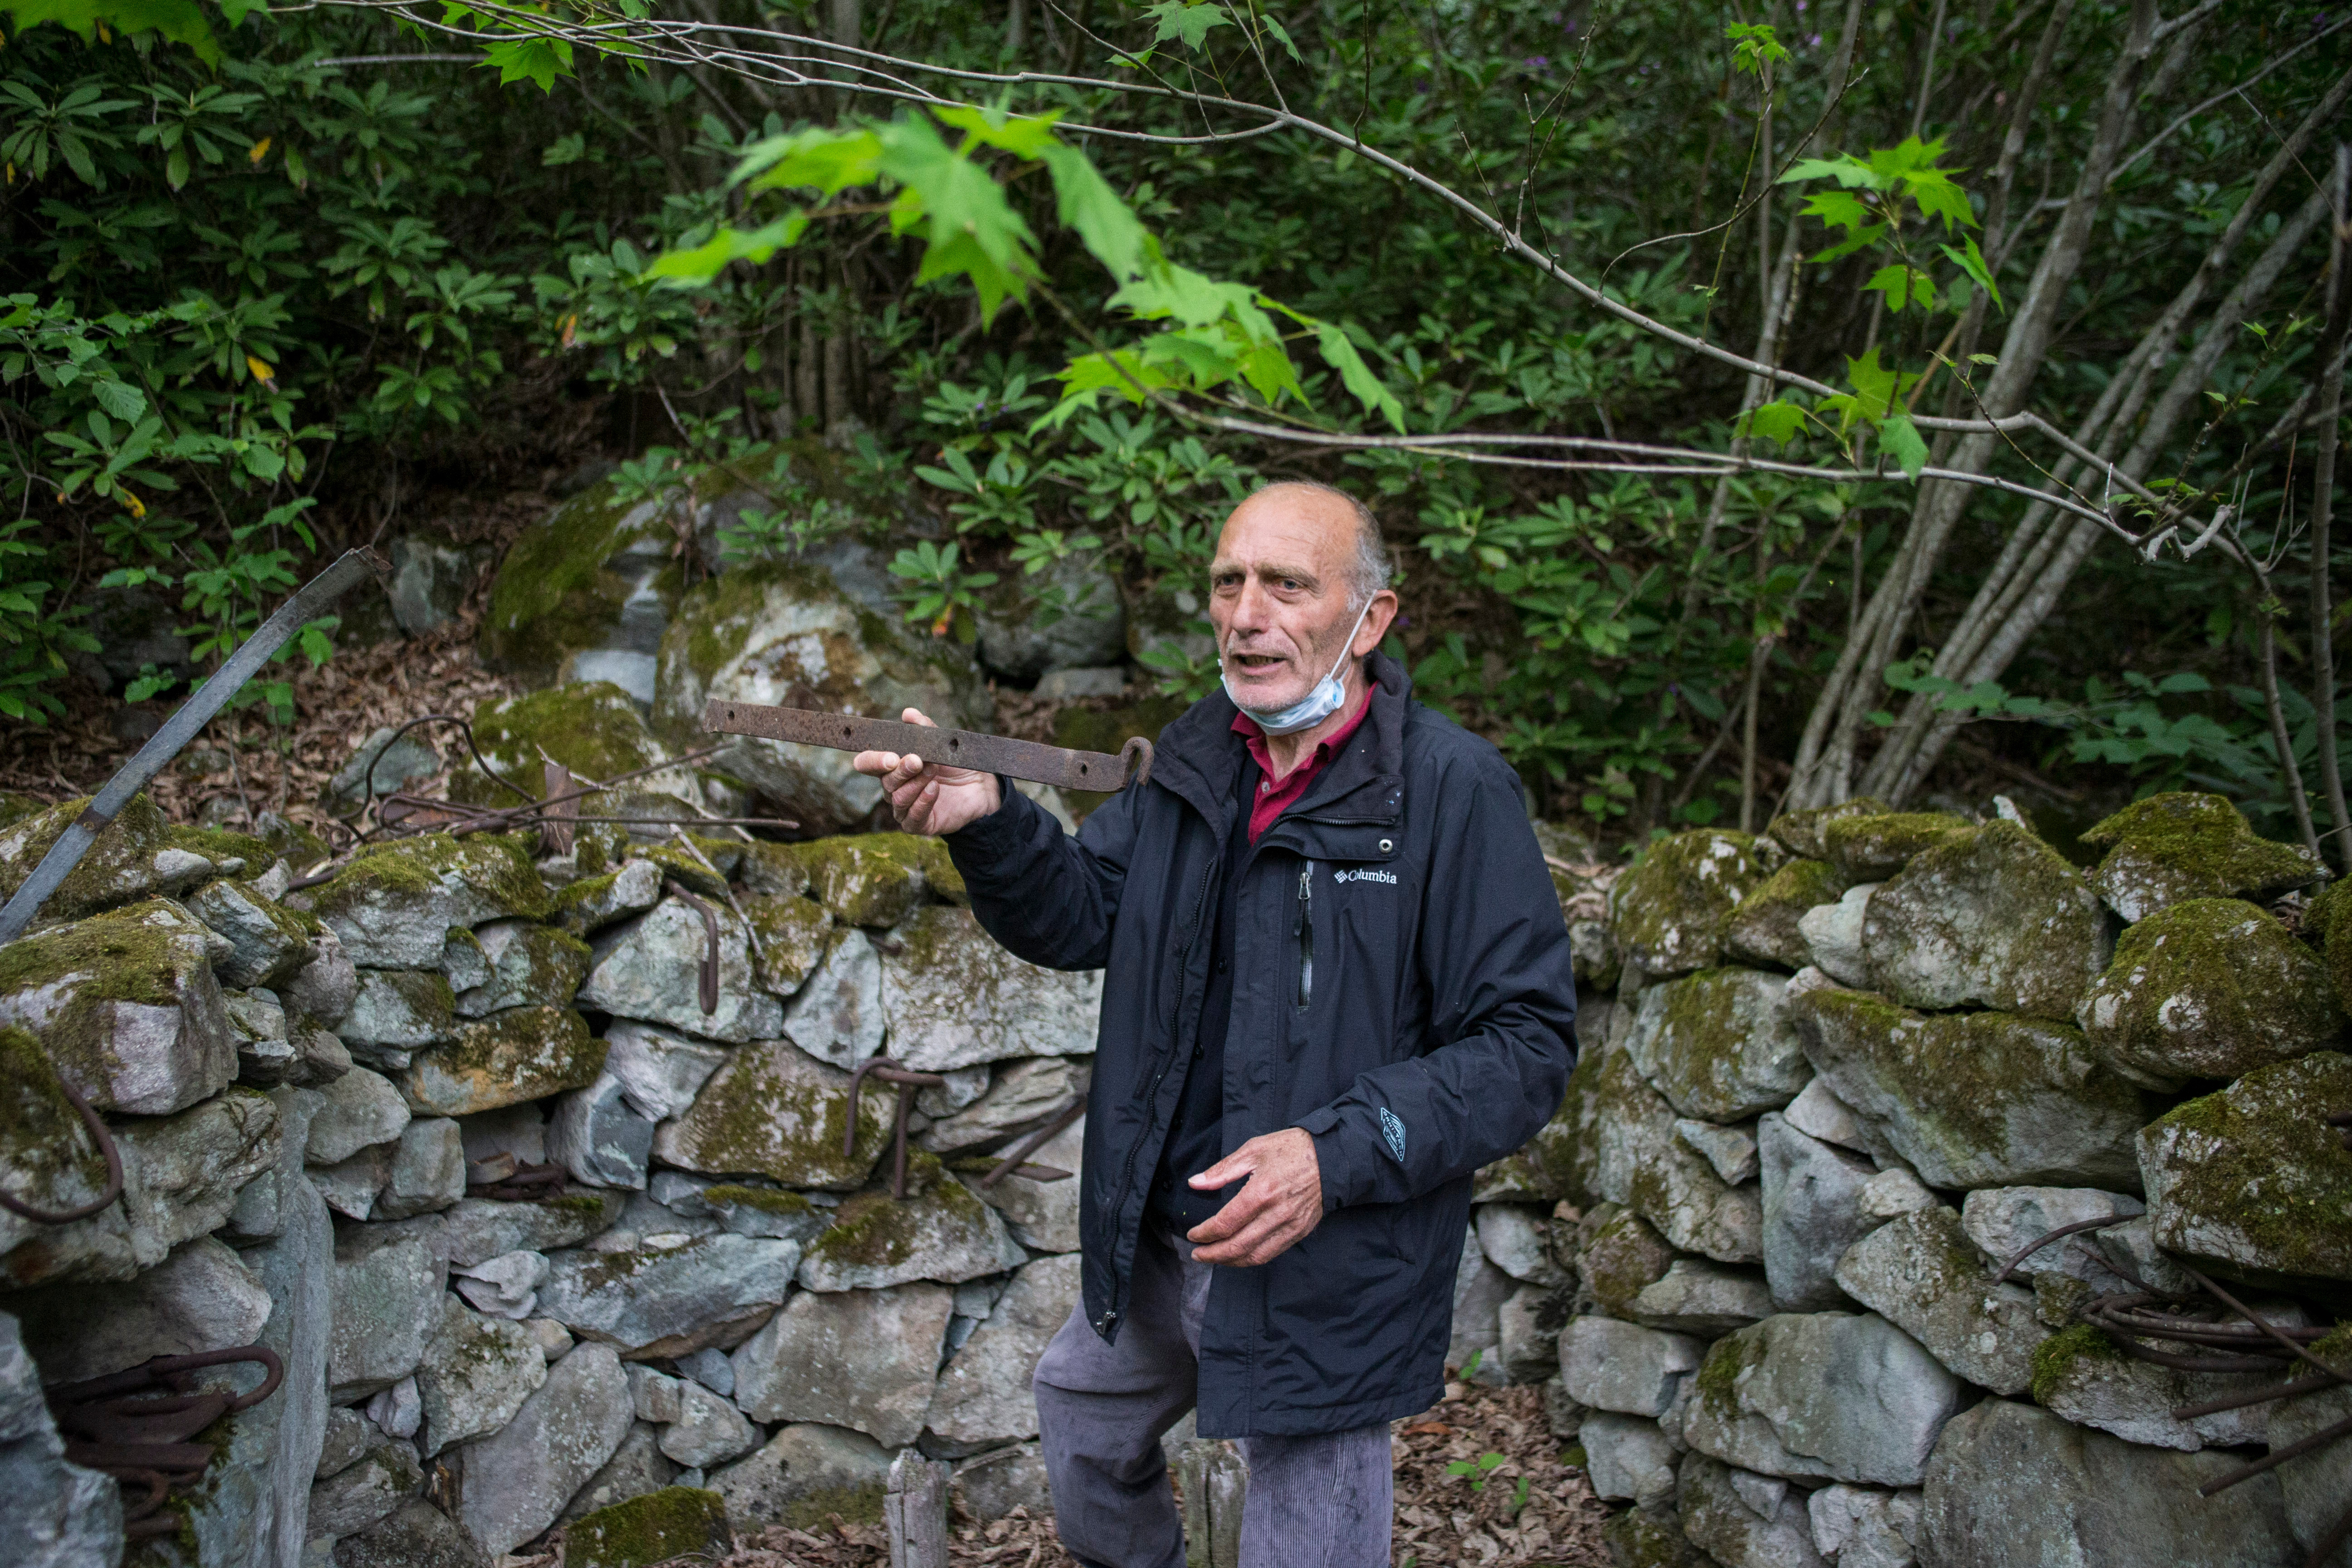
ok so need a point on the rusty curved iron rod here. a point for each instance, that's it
(107, 1151)
(2273, 1330)
(2331, 1541)
(157, 1368)
(907, 1081)
(2261, 1396)
(2278, 1457)
(1035, 1140)
(2062, 1231)
(710, 977)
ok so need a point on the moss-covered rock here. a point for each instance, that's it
(2182, 844)
(1870, 846)
(1975, 1100)
(704, 874)
(2328, 920)
(675, 1522)
(1718, 1044)
(2210, 988)
(405, 1009)
(953, 998)
(1990, 917)
(779, 870)
(589, 726)
(1643, 1165)
(523, 1053)
(269, 941)
(784, 634)
(1671, 908)
(1619, 1256)
(941, 1231)
(1763, 927)
(1802, 833)
(2253, 1179)
(393, 906)
(1558, 1162)
(792, 934)
(126, 1006)
(1645, 1538)
(867, 878)
(46, 1158)
(1921, 1273)
(529, 965)
(2084, 1376)
(134, 856)
(1827, 1395)
(565, 584)
(587, 906)
(774, 1110)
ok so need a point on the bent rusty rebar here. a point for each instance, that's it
(107, 1151)
(907, 1081)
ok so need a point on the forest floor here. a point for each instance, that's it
(1440, 1519)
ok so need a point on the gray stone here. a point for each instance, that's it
(351, 1188)
(638, 1467)
(2130, 1249)
(837, 1015)
(476, 1375)
(2225, 1173)
(1671, 908)
(1745, 1521)
(1061, 685)
(516, 1130)
(126, 1007)
(359, 1110)
(1023, 1094)
(2004, 1473)
(268, 943)
(803, 1460)
(480, 1229)
(1634, 1371)
(860, 1359)
(388, 1286)
(1818, 1113)
(770, 1211)
(1995, 919)
(2086, 1379)
(2174, 847)
(654, 1300)
(61, 1515)
(992, 1485)
(343, 1442)
(953, 998)
(659, 1071)
(708, 1430)
(1698, 1297)
(650, 968)
(1832, 934)
(322, 989)
(1628, 1458)
(945, 1234)
(523, 1053)
(1895, 1192)
(1643, 1166)
(132, 857)
(2210, 988)
(1731, 1149)
(506, 1285)
(202, 1298)
(1480, 1291)
(265, 1057)
(984, 1394)
(596, 1136)
(393, 904)
(1921, 1272)
(517, 1479)
(1813, 1213)
(427, 1169)
(1974, 1099)
(378, 766)
(529, 964)
(1822, 1396)
(415, 1534)
(592, 903)
(463, 963)
(1526, 1332)
(1063, 619)
(1517, 1239)
(2317, 1485)
(711, 1369)
(1042, 1215)
(1860, 1527)
(776, 1111)
(1718, 1044)
(181, 1177)
(397, 1411)
(358, 1495)
(2004, 1221)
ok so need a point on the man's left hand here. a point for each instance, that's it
(1281, 1200)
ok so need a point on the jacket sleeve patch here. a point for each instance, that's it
(1393, 1129)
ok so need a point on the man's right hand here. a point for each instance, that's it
(927, 797)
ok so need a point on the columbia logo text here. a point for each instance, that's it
(1366, 874)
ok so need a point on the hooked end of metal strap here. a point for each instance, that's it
(1137, 755)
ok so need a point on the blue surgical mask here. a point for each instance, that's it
(1317, 705)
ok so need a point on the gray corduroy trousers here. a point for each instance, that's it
(1314, 1502)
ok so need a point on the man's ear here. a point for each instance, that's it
(1378, 617)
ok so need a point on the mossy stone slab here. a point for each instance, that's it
(523, 1053)
(1921, 1272)
(1974, 1099)
(872, 879)
(1990, 918)
(775, 1112)
(781, 635)
(2183, 844)
(2252, 1178)
(587, 906)
(126, 1006)
(1670, 910)
(134, 856)
(675, 1522)
(2210, 988)
(1641, 1165)
(650, 968)
(1763, 927)
(953, 998)
(791, 932)
(1823, 1396)
(592, 727)
(941, 1232)
(1719, 1045)
(564, 584)
(1803, 833)
(1871, 847)
(393, 906)
(269, 941)
(531, 965)
(653, 1301)
(1619, 1256)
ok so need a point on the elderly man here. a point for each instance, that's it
(1336, 983)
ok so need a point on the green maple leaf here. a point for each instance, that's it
(1189, 22)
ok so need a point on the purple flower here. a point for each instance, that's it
(1538, 62)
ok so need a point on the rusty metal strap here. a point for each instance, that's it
(1030, 760)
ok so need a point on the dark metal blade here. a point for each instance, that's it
(1055, 765)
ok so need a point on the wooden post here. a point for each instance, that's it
(915, 1511)
(555, 829)
(1215, 1484)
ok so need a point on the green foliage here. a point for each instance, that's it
(1477, 1470)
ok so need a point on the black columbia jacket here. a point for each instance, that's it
(1402, 990)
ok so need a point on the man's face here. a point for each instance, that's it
(1278, 594)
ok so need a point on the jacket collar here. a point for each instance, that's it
(1199, 759)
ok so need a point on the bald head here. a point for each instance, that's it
(1297, 565)
(1371, 569)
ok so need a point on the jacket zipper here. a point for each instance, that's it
(1151, 1095)
(1305, 931)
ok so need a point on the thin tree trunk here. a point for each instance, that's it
(2268, 608)
(2323, 495)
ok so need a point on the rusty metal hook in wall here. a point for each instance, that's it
(907, 1081)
